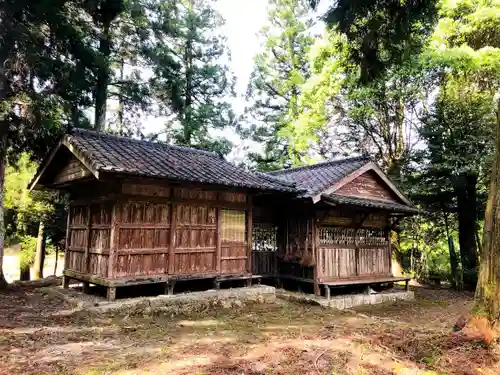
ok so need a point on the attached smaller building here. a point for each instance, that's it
(144, 212)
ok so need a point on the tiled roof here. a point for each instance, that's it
(370, 203)
(314, 179)
(109, 153)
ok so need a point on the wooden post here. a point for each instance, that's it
(327, 291)
(111, 293)
(114, 238)
(407, 285)
(249, 234)
(315, 246)
(86, 287)
(171, 254)
(66, 281)
(170, 287)
(216, 284)
(218, 239)
(89, 240)
(390, 249)
(67, 242)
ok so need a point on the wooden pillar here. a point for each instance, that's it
(218, 238)
(86, 287)
(111, 293)
(315, 246)
(67, 244)
(249, 233)
(390, 250)
(65, 282)
(89, 239)
(173, 226)
(114, 238)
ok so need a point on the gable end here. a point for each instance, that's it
(368, 185)
(73, 170)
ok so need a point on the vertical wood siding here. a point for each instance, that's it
(195, 239)
(143, 237)
(161, 230)
(88, 238)
(353, 252)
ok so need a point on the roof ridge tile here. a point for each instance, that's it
(142, 141)
(321, 164)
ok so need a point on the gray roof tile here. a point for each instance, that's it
(314, 179)
(370, 203)
(116, 154)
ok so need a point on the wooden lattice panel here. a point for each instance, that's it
(264, 237)
(233, 226)
(332, 236)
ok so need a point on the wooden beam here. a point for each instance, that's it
(173, 227)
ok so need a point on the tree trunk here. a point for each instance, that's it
(24, 274)
(121, 105)
(56, 261)
(101, 93)
(40, 252)
(465, 190)
(456, 283)
(3, 161)
(487, 300)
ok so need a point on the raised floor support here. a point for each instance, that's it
(111, 293)
(65, 282)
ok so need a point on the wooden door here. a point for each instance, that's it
(234, 254)
(195, 239)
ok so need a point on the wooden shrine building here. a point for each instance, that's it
(143, 212)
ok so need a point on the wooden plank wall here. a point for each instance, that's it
(89, 238)
(156, 230)
(368, 185)
(142, 238)
(350, 250)
(74, 170)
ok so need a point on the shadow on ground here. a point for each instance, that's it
(41, 335)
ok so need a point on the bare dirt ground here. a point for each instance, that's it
(40, 335)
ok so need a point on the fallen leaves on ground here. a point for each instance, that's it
(410, 337)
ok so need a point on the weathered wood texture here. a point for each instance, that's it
(154, 233)
(73, 170)
(143, 238)
(368, 185)
(89, 238)
(353, 252)
(353, 219)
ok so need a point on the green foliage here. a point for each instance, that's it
(28, 249)
(424, 245)
(26, 208)
(381, 35)
(280, 70)
(190, 79)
